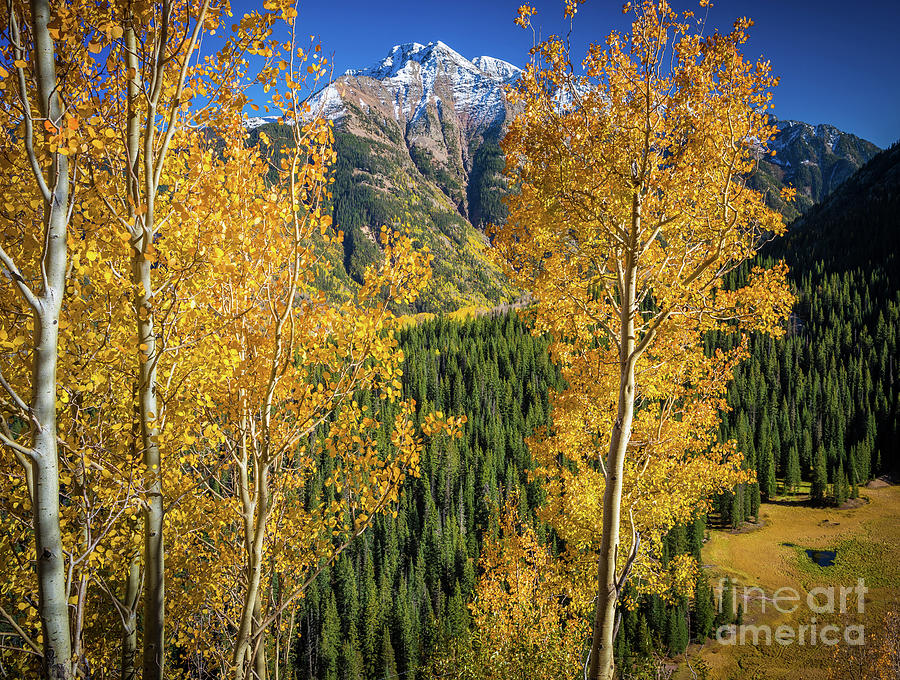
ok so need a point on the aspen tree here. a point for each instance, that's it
(33, 257)
(630, 208)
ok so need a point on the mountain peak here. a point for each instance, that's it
(403, 54)
(415, 78)
(497, 68)
(436, 54)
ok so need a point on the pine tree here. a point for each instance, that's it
(371, 622)
(387, 664)
(737, 507)
(697, 535)
(346, 593)
(330, 640)
(819, 487)
(725, 615)
(458, 619)
(351, 664)
(677, 635)
(755, 501)
(703, 614)
(840, 485)
(407, 643)
(792, 474)
(853, 481)
(770, 484)
(644, 640)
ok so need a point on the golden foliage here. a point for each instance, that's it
(525, 623)
(631, 209)
(255, 374)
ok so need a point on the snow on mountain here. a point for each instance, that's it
(794, 131)
(253, 122)
(418, 132)
(329, 101)
(815, 159)
(497, 68)
(414, 78)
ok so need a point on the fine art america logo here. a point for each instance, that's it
(819, 601)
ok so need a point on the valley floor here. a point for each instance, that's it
(773, 556)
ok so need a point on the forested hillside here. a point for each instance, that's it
(822, 404)
(815, 411)
(402, 590)
(376, 184)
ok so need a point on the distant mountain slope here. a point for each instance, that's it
(439, 101)
(814, 159)
(857, 225)
(823, 401)
(417, 136)
(443, 111)
(417, 143)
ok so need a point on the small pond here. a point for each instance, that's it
(824, 558)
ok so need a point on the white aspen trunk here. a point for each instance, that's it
(154, 547)
(132, 594)
(128, 670)
(142, 239)
(52, 595)
(602, 646)
(255, 533)
(288, 665)
(258, 648)
(602, 661)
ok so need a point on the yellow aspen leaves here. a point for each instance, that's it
(254, 366)
(631, 209)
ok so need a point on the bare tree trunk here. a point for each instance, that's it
(288, 662)
(277, 667)
(254, 543)
(52, 595)
(154, 548)
(602, 661)
(142, 239)
(260, 663)
(128, 670)
(131, 598)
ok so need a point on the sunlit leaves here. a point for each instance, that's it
(630, 173)
(527, 624)
(256, 371)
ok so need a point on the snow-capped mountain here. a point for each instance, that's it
(417, 137)
(430, 91)
(435, 107)
(419, 76)
(443, 106)
(497, 68)
(792, 131)
(253, 122)
(417, 140)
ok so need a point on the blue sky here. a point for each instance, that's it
(839, 62)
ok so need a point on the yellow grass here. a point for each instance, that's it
(867, 539)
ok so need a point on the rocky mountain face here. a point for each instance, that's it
(417, 136)
(815, 159)
(441, 106)
(417, 140)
